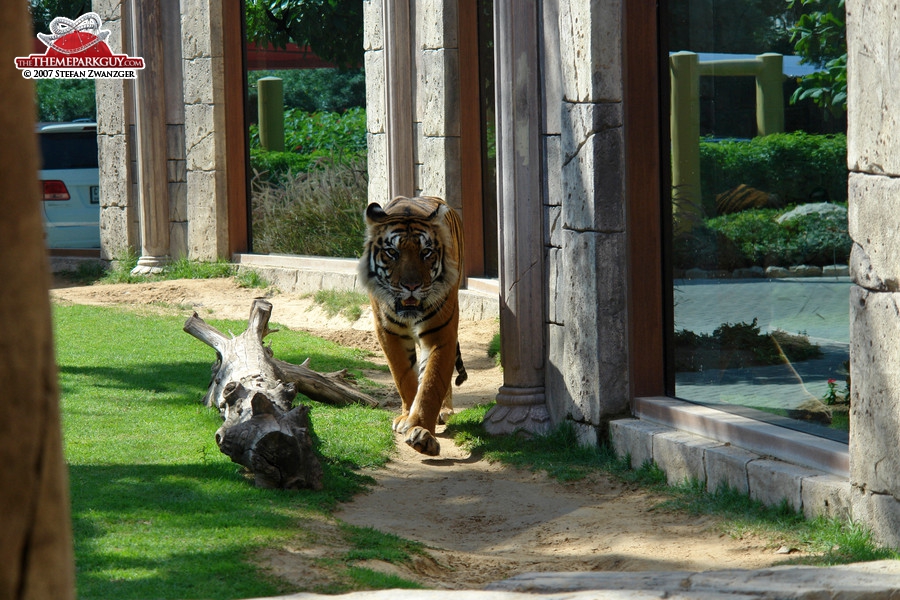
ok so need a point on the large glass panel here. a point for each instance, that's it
(307, 130)
(759, 244)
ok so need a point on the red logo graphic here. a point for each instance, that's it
(78, 50)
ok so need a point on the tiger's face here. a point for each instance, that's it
(405, 267)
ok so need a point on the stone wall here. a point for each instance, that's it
(588, 365)
(204, 126)
(376, 111)
(196, 203)
(873, 132)
(434, 117)
(118, 210)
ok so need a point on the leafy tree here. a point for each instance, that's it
(44, 11)
(65, 100)
(819, 36)
(333, 29)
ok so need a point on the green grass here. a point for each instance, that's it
(341, 302)
(158, 511)
(91, 272)
(828, 541)
(494, 348)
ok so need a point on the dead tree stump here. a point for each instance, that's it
(254, 393)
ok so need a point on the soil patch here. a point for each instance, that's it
(480, 522)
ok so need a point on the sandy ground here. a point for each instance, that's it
(481, 522)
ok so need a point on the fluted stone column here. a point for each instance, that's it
(521, 400)
(150, 121)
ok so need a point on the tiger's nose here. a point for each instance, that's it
(411, 285)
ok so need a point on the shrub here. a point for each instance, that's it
(311, 140)
(815, 239)
(316, 212)
(329, 90)
(796, 167)
(754, 237)
(739, 345)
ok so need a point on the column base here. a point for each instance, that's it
(150, 265)
(518, 409)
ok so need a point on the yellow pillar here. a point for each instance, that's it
(271, 113)
(770, 94)
(685, 131)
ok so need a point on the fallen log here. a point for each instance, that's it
(254, 393)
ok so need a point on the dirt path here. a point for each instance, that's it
(481, 522)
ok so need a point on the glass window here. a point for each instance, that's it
(758, 252)
(307, 129)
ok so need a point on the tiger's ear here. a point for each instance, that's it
(375, 214)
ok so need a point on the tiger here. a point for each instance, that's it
(412, 267)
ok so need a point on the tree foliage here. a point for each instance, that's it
(333, 29)
(819, 36)
(44, 11)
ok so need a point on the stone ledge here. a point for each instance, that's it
(860, 581)
(686, 456)
(309, 274)
(795, 272)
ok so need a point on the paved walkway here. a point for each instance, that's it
(816, 306)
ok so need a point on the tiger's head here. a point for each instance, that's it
(408, 264)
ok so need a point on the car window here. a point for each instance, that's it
(70, 150)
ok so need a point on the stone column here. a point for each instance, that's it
(150, 121)
(203, 63)
(521, 400)
(376, 111)
(873, 126)
(592, 278)
(118, 233)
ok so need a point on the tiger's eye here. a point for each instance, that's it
(427, 253)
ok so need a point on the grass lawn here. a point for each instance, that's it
(158, 511)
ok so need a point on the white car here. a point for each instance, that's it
(70, 184)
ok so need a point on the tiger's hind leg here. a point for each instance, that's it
(446, 408)
(462, 375)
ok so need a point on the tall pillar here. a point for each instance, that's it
(150, 128)
(398, 75)
(521, 399)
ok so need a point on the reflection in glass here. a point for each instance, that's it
(759, 247)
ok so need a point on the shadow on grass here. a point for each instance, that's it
(186, 531)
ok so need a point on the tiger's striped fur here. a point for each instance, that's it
(412, 265)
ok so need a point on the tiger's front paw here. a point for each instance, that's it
(422, 440)
(399, 425)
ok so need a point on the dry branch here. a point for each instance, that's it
(254, 392)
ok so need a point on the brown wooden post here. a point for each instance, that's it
(150, 129)
(235, 129)
(398, 72)
(521, 400)
(36, 556)
(643, 188)
(470, 137)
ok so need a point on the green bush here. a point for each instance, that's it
(754, 237)
(311, 140)
(311, 90)
(316, 212)
(815, 239)
(796, 167)
(739, 345)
